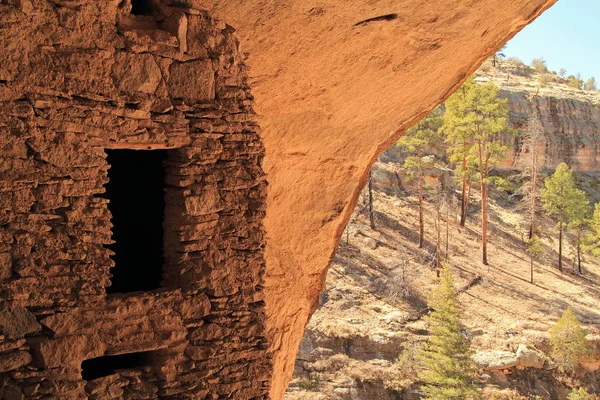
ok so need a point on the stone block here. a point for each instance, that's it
(193, 81)
(17, 321)
(70, 350)
(207, 202)
(195, 307)
(136, 73)
(14, 360)
(5, 266)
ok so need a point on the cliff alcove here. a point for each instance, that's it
(332, 96)
(79, 77)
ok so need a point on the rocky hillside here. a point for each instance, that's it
(361, 342)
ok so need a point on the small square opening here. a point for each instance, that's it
(141, 7)
(107, 365)
(136, 201)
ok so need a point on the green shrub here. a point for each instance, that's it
(569, 343)
(539, 65)
(544, 80)
(580, 394)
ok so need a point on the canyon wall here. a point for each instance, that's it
(569, 127)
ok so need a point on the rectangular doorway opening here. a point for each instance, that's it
(137, 204)
(107, 365)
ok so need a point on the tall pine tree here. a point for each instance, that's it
(592, 241)
(562, 199)
(450, 372)
(578, 223)
(420, 137)
(533, 139)
(474, 121)
(459, 136)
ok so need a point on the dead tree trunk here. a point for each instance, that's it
(560, 235)
(579, 252)
(371, 215)
(531, 269)
(483, 172)
(465, 202)
(420, 183)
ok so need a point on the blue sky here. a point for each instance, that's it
(567, 35)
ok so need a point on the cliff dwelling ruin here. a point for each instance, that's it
(201, 287)
(119, 146)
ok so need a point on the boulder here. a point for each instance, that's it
(529, 358)
(491, 360)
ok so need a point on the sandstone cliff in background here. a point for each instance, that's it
(570, 128)
(567, 118)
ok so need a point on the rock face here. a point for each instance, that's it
(80, 77)
(571, 130)
(335, 83)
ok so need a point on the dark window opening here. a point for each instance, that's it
(141, 7)
(137, 203)
(107, 365)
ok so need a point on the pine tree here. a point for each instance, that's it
(499, 55)
(491, 121)
(590, 84)
(535, 250)
(417, 139)
(476, 118)
(449, 372)
(592, 241)
(578, 223)
(459, 136)
(562, 199)
(539, 65)
(569, 342)
(562, 72)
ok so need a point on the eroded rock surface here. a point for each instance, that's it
(570, 129)
(335, 86)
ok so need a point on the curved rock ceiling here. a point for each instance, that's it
(336, 83)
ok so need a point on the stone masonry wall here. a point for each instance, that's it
(78, 77)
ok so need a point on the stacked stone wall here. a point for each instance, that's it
(78, 77)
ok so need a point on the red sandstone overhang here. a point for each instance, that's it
(336, 83)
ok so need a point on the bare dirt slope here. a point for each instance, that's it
(378, 283)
